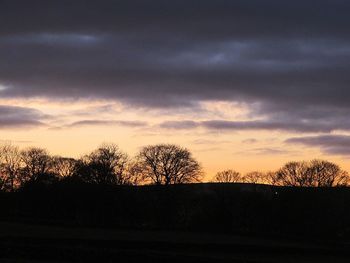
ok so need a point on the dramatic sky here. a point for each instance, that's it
(243, 84)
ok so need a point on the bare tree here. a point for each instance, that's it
(270, 178)
(317, 173)
(292, 174)
(135, 173)
(10, 167)
(255, 177)
(168, 164)
(36, 161)
(228, 176)
(342, 179)
(2, 182)
(63, 167)
(324, 173)
(106, 165)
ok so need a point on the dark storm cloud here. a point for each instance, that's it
(330, 144)
(290, 56)
(198, 16)
(19, 117)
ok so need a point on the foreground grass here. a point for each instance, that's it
(37, 243)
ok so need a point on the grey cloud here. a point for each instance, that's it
(210, 141)
(20, 117)
(292, 58)
(270, 151)
(179, 125)
(266, 151)
(132, 124)
(172, 77)
(270, 17)
(90, 111)
(250, 141)
(293, 125)
(330, 144)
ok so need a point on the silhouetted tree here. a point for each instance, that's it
(254, 177)
(2, 182)
(11, 174)
(292, 174)
(270, 178)
(106, 165)
(36, 162)
(228, 176)
(327, 174)
(317, 173)
(168, 164)
(63, 167)
(135, 173)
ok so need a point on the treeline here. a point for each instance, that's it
(315, 173)
(97, 190)
(161, 164)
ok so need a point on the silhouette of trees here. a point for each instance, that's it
(63, 167)
(36, 162)
(255, 177)
(2, 182)
(317, 173)
(270, 178)
(11, 174)
(161, 164)
(135, 173)
(165, 164)
(105, 165)
(326, 174)
(228, 176)
(292, 174)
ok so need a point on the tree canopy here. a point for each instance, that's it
(168, 164)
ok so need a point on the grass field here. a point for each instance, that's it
(34, 243)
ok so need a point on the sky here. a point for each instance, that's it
(244, 85)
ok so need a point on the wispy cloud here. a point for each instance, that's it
(269, 124)
(131, 124)
(12, 117)
(329, 144)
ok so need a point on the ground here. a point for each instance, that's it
(39, 243)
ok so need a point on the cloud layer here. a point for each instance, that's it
(20, 117)
(329, 144)
(176, 53)
(288, 61)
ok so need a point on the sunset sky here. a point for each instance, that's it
(246, 85)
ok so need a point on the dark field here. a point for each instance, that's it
(30, 243)
(187, 223)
